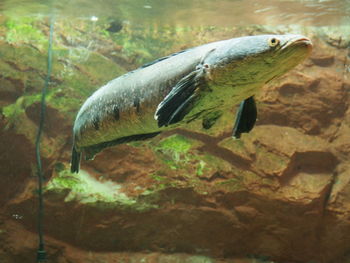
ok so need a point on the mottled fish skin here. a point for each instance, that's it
(214, 76)
(132, 95)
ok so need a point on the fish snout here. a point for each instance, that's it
(299, 41)
(304, 41)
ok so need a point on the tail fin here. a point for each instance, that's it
(75, 162)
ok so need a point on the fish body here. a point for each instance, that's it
(184, 87)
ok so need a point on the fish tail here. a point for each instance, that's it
(75, 162)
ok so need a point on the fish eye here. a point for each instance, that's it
(273, 41)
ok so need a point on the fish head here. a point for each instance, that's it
(287, 52)
(255, 59)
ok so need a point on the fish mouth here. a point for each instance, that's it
(299, 41)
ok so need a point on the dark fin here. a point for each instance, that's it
(92, 150)
(246, 117)
(177, 103)
(156, 61)
(182, 110)
(163, 58)
(75, 162)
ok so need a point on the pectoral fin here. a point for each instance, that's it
(75, 162)
(179, 101)
(246, 117)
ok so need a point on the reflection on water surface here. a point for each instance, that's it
(193, 13)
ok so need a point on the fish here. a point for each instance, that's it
(183, 88)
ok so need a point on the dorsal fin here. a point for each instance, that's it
(156, 61)
(161, 59)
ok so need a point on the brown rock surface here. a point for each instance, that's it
(282, 192)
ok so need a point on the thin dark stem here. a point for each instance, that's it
(41, 255)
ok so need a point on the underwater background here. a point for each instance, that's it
(280, 194)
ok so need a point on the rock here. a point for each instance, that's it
(17, 155)
(324, 61)
(11, 89)
(325, 105)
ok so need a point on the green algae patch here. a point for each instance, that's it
(185, 166)
(17, 119)
(86, 189)
(173, 151)
(144, 44)
(176, 144)
(24, 30)
(13, 110)
(8, 70)
(201, 167)
(16, 111)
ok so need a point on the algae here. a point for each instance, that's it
(200, 167)
(142, 44)
(175, 144)
(24, 58)
(86, 189)
(173, 150)
(24, 30)
(13, 110)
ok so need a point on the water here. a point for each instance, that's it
(193, 13)
(195, 195)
